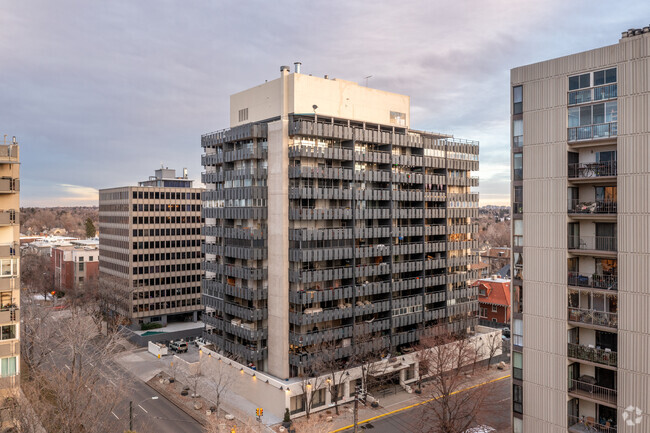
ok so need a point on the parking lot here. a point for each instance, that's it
(192, 354)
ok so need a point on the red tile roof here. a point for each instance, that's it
(498, 291)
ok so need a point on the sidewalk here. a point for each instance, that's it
(395, 402)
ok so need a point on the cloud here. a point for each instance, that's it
(77, 193)
(98, 93)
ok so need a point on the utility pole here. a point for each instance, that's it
(131, 415)
(356, 408)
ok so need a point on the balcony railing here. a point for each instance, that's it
(601, 93)
(598, 207)
(597, 392)
(592, 243)
(585, 170)
(517, 208)
(592, 132)
(588, 424)
(596, 281)
(593, 317)
(593, 354)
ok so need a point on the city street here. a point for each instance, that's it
(149, 415)
(494, 413)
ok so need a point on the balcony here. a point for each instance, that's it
(8, 154)
(600, 93)
(582, 388)
(592, 354)
(590, 170)
(592, 208)
(594, 281)
(9, 185)
(593, 317)
(593, 243)
(589, 425)
(592, 132)
(8, 218)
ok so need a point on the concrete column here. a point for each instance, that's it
(163, 320)
(195, 316)
(278, 240)
(402, 376)
(346, 390)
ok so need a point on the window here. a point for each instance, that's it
(518, 332)
(517, 100)
(518, 237)
(81, 266)
(517, 365)
(517, 398)
(398, 118)
(8, 367)
(518, 133)
(81, 259)
(5, 300)
(518, 166)
(605, 77)
(7, 332)
(243, 114)
(518, 204)
(579, 81)
(483, 312)
(495, 309)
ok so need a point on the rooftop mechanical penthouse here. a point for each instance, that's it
(328, 219)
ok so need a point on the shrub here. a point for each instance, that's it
(150, 325)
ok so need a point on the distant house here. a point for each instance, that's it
(494, 301)
(504, 272)
(482, 268)
(497, 258)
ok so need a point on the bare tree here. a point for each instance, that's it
(66, 361)
(336, 369)
(37, 273)
(492, 346)
(221, 380)
(448, 410)
(367, 354)
(311, 382)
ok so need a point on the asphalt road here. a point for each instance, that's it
(149, 415)
(495, 413)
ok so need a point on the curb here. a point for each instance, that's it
(192, 415)
(418, 404)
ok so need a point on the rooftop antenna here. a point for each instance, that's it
(369, 76)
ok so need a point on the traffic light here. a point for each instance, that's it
(259, 411)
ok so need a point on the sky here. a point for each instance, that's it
(100, 93)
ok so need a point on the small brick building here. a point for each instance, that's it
(74, 265)
(494, 300)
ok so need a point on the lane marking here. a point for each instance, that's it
(115, 415)
(66, 366)
(418, 404)
(145, 410)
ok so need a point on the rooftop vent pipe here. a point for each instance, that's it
(297, 66)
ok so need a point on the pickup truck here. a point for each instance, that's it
(178, 346)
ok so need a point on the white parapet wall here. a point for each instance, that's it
(274, 394)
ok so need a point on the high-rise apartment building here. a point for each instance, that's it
(328, 220)
(581, 250)
(9, 265)
(150, 245)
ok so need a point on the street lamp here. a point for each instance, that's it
(155, 397)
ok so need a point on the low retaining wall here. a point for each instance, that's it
(143, 341)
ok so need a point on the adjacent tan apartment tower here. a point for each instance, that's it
(330, 223)
(150, 247)
(581, 249)
(9, 265)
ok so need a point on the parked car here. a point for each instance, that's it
(178, 346)
(505, 332)
(199, 342)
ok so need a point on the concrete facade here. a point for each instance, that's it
(150, 244)
(9, 266)
(329, 222)
(581, 176)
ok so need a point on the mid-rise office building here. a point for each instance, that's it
(329, 221)
(581, 250)
(9, 265)
(150, 245)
